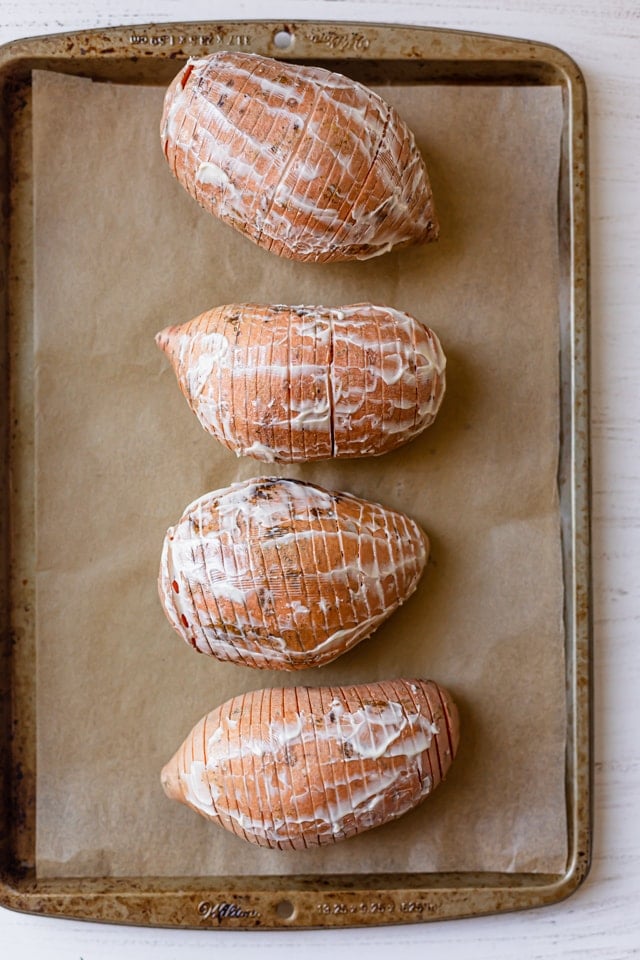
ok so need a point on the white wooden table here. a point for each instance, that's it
(603, 918)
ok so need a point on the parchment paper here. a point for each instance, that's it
(120, 252)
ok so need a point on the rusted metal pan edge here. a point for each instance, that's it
(146, 53)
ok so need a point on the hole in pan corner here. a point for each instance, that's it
(285, 910)
(283, 39)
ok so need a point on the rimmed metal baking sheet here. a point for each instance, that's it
(150, 54)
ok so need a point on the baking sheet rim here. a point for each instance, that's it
(438, 895)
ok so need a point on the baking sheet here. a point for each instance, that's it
(121, 251)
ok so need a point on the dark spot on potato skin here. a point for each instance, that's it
(347, 750)
(290, 756)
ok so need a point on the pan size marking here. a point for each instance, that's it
(375, 906)
(197, 39)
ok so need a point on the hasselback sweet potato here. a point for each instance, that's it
(282, 574)
(304, 766)
(305, 162)
(288, 384)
